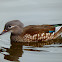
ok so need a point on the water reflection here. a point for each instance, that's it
(15, 52)
(16, 49)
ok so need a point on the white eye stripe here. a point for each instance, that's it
(11, 27)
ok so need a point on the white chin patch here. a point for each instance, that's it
(57, 28)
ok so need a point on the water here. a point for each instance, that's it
(30, 12)
(30, 52)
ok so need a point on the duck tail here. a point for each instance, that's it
(58, 33)
(56, 25)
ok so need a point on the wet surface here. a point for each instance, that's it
(33, 51)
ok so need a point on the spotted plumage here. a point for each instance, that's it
(38, 37)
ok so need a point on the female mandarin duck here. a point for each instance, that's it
(30, 33)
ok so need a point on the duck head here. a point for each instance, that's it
(15, 27)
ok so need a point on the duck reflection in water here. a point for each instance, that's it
(16, 49)
(15, 52)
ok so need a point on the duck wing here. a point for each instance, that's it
(35, 29)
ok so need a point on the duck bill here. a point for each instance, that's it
(4, 31)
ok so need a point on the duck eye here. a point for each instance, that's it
(9, 26)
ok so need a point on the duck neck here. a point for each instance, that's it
(58, 33)
(17, 32)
